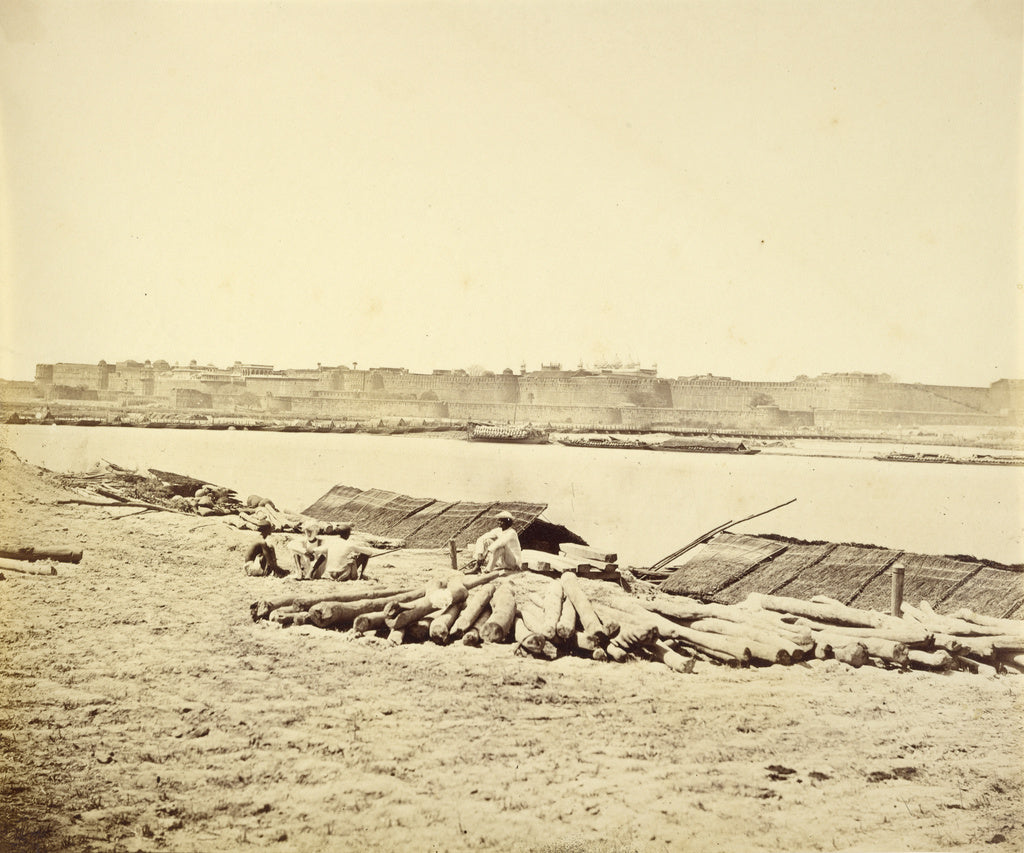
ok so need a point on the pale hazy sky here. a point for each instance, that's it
(755, 189)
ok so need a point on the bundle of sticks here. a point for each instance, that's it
(561, 618)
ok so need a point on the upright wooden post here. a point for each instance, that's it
(454, 555)
(897, 588)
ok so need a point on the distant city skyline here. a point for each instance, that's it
(476, 369)
(761, 189)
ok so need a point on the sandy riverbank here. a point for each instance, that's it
(144, 710)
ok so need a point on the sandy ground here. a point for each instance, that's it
(143, 709)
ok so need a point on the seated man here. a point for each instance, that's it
(499, 547)
(307, 552)
(339, 559)
(260, 559)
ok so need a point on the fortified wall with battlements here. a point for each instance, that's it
(627, 398)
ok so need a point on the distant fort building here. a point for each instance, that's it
(612, 395)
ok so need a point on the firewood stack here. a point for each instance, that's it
(562, 618)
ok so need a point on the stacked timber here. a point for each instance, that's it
(567, 615)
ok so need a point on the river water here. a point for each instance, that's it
(641, 504)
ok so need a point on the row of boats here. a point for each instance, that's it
(515, 434)
(947, 459)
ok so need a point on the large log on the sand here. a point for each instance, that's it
(340, 614)
(398, 616)
(32, 553)
(887, 650)
(590, 622)
(939, 660)
(503, 614)
(821, 611)
(532, 643)
(26, 568)
(852, 654)
(262, 609)
(588, 646)
(565, 628)
(911, 635)
(551, 609)
(936, 623)
(440, 625)
(366, 623)
(471, 637)
(664, 653)
(1002, 626)
(478, 601)
(766, 638)
(717, 644)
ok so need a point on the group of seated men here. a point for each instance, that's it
(325, 551)
(322, 551)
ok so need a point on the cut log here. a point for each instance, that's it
(852, 654)
(565, 628)
(887, 650)
(529, 642)
(26, 568)
(911, 635)
(821, 611)
(398, 616)
(752, 632)
(440, 626)
(31, 553)
(396, 636)
(583, 553)
(263, 609)
(589, 620)
(498, 628)
(551, 607)
(417, 632)
(471, 637)
(616, 653)
(664, 653)
(1004, 626)
(940, 660)
(340, 614)
(717, 644)
(477, 602)
(366, 623)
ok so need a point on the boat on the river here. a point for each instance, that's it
(900, 456)
(693, 445)
(509, 433)
(613, 442)
(989, 459)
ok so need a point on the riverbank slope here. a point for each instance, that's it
(144, 710)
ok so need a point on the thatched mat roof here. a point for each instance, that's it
(731, 566)
(429, 523)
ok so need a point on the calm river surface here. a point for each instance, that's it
(642, 504)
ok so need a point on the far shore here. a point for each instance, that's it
(954, 441)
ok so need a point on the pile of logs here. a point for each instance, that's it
(109, 484)
(562, 618)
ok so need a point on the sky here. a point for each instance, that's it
(757, 189)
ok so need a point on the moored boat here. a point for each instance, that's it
(507, 433)
(683, 445)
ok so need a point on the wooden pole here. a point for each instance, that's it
(26, 568)
(700, 540)
(31, 554)
(897, 571)
(454, 554)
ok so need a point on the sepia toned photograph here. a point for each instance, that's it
(524, 426)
